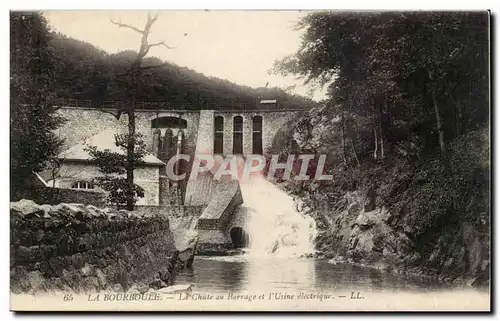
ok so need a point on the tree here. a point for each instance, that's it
(32, 113)
(134, 147)
(114, 165)
(399, 75)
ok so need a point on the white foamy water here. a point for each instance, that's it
(274, 226)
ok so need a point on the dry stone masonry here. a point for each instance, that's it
(88, 249)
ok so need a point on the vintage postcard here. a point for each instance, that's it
(250, 161)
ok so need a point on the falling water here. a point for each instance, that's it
(274, 226)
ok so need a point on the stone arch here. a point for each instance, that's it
(218, 135)
(257, 129)
(239, 237)
(237, 135)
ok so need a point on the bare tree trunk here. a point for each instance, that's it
(375, 140)
(374, 125)
(440, 129)
(134, 73)
(442, 143)
(354, 153)
(130, 157)
(381, 139)
(381, 135)
(344, 159)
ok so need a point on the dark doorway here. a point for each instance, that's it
(218, 135)
(238, 135)
(239, 237)
(257, 135)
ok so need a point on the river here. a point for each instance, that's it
(275, 266)
(244, 273)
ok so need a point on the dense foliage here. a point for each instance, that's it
(113, 165)
(406, 123)
(32, 115)
(86, 73)
(401, 85)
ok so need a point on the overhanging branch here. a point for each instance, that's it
(124, 25)
(160, 44)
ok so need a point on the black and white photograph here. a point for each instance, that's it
(250, 160)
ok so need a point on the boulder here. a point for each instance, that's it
(133, 290)
(27, 208)
(157, 284)
(46, 209)
(176, 289)
(101, 277)
(366, 220)
(35, 280)
(187, 255)
(117, 288)
(87, 270)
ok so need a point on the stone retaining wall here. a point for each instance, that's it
(170, 210)
(81, 248)
(54, 196)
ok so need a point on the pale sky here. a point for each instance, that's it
(240, 46)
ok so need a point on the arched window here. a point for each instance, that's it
(257, 135)
(238, 135)
(82, 185)
(218, 135)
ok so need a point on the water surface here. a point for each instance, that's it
(245, 273)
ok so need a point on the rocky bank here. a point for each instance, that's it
(402, 215)
(351, 234)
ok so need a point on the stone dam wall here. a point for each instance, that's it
(213, 222)
(70, 247)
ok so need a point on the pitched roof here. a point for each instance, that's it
(44, 176)
(104, 140)
(41, 179)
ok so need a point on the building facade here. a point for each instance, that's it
(165, 133)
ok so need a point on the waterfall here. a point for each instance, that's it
(274, 226)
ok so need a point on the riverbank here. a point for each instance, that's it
(244, 282)
(407, 218)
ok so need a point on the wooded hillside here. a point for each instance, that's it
(85, 72)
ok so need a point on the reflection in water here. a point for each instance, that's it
(377, 280)
(214, 275)
(274, 274)
(246, 274)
